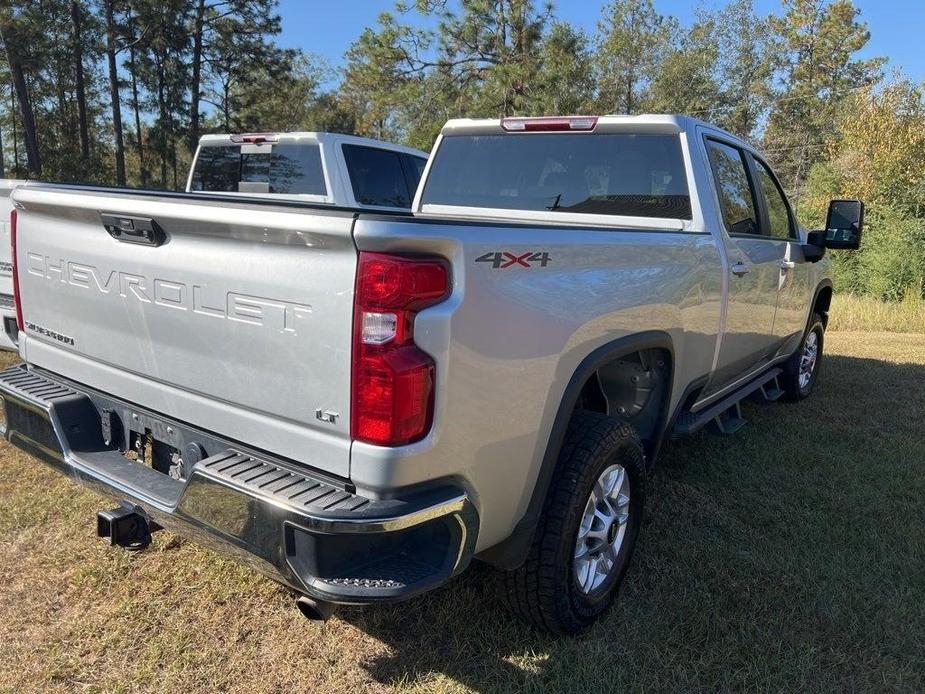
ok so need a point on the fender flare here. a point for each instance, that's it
(824, 283)
(512, 552)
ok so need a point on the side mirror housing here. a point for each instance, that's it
(814, 248)
(844, 224)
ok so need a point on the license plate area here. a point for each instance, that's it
(155, 444)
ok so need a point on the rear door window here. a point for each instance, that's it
(736, 197)
(289, 169)
(377, 177)
(635, 174)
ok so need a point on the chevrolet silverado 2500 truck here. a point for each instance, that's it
(358, 404)
(324, 168)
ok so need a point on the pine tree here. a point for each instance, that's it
(77, 42)
(564, 82)
(632, 42)
(112, 51)
(686, 78)
(18, 27)
(818, 46)
(746, 68)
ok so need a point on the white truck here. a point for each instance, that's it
(358, 403)
(321, 168)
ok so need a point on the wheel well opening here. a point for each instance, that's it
(633, 388)
(823, 302)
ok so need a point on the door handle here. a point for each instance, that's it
(787, 264)
(740, 269)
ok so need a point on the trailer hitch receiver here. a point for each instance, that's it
(126, 526)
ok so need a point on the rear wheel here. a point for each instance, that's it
(587, 533)
(802, 369)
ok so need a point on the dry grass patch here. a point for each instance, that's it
(855, 313)
(789, 557)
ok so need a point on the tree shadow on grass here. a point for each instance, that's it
(747, 571)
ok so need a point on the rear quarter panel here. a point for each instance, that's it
(509, 339)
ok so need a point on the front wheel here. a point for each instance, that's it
(587, 533)
(802, 369)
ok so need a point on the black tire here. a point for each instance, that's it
(793, 389)
(544, 591)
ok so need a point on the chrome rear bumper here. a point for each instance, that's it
(311, 532)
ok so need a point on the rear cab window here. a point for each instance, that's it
(382, 177)
(287, 169)
(634, 174)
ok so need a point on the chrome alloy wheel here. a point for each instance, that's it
(602, 529)
(808, 359)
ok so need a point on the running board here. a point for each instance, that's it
(770, 391)
(726, 414)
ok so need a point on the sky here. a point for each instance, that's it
(328, 28)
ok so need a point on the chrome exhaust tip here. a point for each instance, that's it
(316, 611)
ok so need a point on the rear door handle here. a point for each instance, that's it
(740, 269)
(787, 264)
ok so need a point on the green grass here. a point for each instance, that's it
(852, 312)
(789, 557)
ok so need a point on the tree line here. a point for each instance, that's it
(119, 91)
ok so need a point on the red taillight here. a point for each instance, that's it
(393, 380)
(549, 124)
(16, 299)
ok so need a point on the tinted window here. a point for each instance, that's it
(626, 174)
(291, 169)
(376, 177)
(778, 214)
(218, 169)
(414, 169)
(735, 193)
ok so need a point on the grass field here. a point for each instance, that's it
(789, 557)
(853, 312)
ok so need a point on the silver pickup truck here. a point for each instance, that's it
(357, 404)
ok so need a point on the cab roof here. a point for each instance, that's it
(305, 136)
(650, 122)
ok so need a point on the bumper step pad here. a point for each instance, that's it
(282, 485)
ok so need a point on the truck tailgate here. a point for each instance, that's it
(238, 322)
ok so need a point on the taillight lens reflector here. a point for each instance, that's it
(393, 380)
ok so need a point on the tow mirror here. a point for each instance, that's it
(844, 223)
(814, 248)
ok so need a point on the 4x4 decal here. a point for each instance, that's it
(504, 259)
